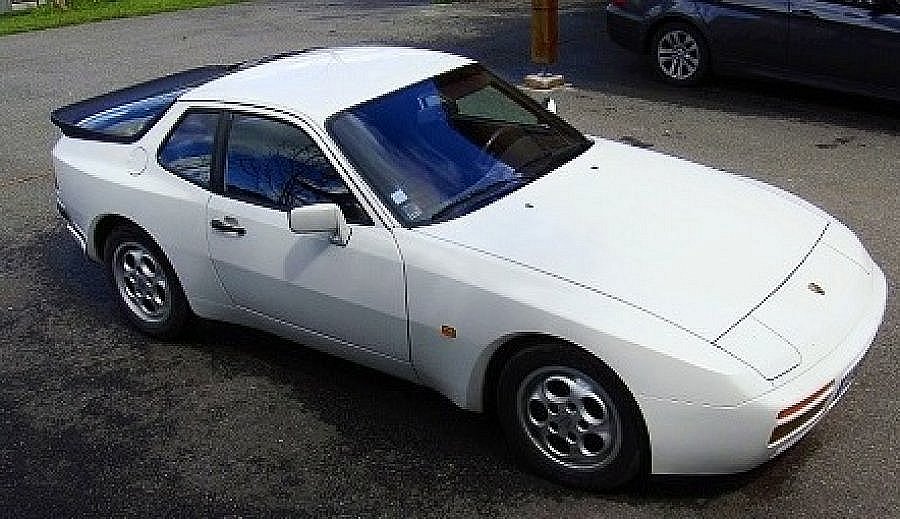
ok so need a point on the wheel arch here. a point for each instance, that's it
(505, 348)
(673, 18)
(103, 226)
(510, 345)
(103, 230)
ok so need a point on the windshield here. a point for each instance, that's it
(448, 145)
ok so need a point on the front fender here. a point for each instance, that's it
(488, 300)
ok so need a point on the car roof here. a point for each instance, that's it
(319, 83)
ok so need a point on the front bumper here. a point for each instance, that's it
(693, 438)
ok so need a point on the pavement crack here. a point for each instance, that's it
(22, 180)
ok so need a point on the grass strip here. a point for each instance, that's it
(83, 11)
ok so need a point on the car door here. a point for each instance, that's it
(351, 294)
(181, 189)
(747, 32)
(854, 41)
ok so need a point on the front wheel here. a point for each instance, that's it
(679, 54)
(145, 285)
(568, 417)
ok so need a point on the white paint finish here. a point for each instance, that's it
(720, 440)
(95, 182)
(683, 241)
(323, 82)
(817, 324)
(137, 161)
(761, 348)
(844, 241)
(695, 439)
(488, 299)
(354, 293)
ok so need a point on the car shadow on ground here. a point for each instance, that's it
(473, 443)
(408, 437)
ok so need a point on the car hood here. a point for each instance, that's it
(695, 246)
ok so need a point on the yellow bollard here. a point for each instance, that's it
(544, 31)
(544, 43)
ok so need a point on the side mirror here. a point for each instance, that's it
(320, 218)
(550, 104)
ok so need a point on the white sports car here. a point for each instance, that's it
(621, 311)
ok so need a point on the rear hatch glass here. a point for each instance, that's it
(125, 115)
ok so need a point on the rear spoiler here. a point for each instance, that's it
(146, 102)
(71, 118)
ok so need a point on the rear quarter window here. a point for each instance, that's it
(188, 150)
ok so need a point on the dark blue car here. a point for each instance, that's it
(850, 45)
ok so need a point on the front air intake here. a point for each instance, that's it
(793, 418)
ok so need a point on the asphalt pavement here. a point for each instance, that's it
(96, 419)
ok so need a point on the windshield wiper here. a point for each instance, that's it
(476, 196)
(560, 155)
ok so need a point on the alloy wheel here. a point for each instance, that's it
(141, 282)
(678, 55)
(569, 417)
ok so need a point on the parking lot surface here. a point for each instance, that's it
(98, 419)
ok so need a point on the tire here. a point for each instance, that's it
(679, 54)
(144, 283)
(570, 418)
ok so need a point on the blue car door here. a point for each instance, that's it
(851, 42)
(747, 33)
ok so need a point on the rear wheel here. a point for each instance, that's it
(145, 285)
(570, 418)
(679, 54)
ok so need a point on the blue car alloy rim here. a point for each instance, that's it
(678, 54)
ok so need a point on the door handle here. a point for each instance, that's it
(229, 225)
(804, 13)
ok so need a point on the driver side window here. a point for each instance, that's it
(275, 164)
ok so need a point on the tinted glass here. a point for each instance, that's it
(277, 165)
(490, 103)
(188, 150)
(448, 145)
(130, 119)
